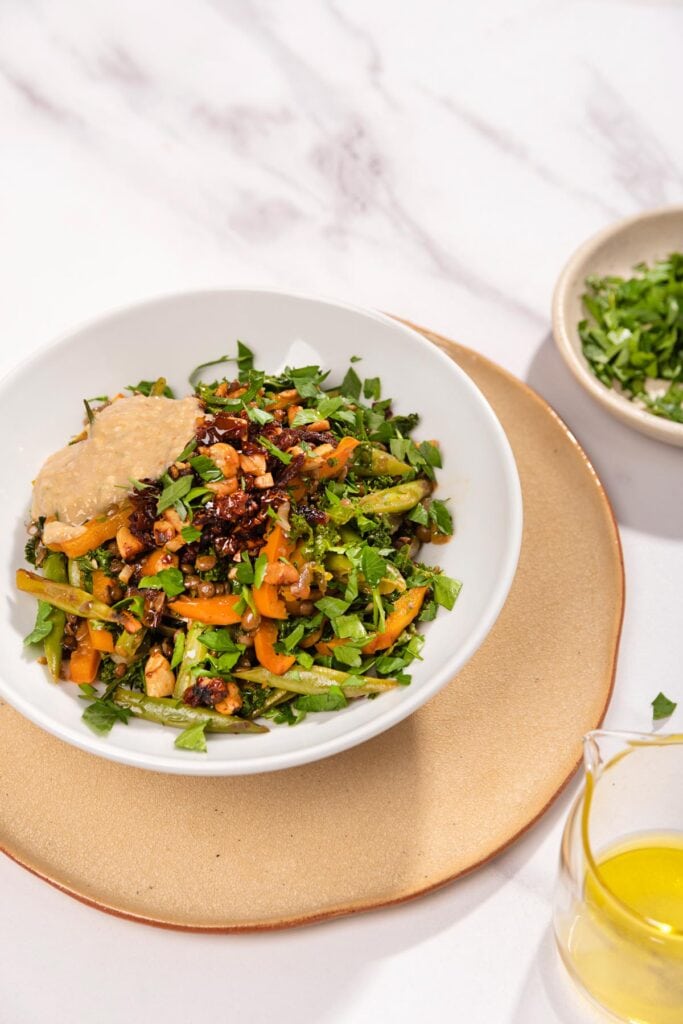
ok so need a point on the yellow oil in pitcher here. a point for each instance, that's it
(626, 940)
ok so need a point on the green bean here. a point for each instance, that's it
(70, 599)
(340, 566)
(391, 500)
(55, 570)
(177, 715)
(317, 680)
(75, 573)
(377, 462)
(274, 697)
(194, 653)
(128, 645)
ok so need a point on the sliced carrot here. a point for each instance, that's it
(285, 398)
(101, 639)
(326, 647)
(85, 661)
(404, 611)
(277, 546)
(308, 641)
(266, 597)
(101, 586)
(215, 611)
(264, 645)
(97, 531)
(158, 560)
(269, 603)
(336, 461)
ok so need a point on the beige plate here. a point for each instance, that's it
(402, 814)
(641, 239)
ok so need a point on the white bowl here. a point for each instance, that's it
(41, 406)
(615, 250)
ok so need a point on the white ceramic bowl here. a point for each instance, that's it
(641, 239)
(41, 406)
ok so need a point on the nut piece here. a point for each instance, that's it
(159, 678)
(163, 532)
(281, 574)
(128, 545)
(261, 482)
(225, 457)
(224, 487)
(230, 703)
(255, 464)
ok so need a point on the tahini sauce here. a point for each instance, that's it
(133, 438)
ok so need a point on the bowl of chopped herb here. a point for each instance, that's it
(617, 315)
(256, 542)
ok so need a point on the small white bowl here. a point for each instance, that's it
(41, 406)
(641, 239)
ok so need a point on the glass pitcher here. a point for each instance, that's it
(619, 904)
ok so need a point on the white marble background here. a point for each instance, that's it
(439, 160)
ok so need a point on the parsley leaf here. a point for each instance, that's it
(101, 715)
(332, 700)
(220, 640)
(169, 580)
(206, 468)
(662, 707)
(446, 591)
(441, 517)
(43, 626)
(274, 450)
(178, 648)
(190, 534)
(373, 566)
(260, 416)
(192, 738)
(173, 492)
(260, 566)
(331, 606)
(351, 384)
(372, 388)
(144, 387)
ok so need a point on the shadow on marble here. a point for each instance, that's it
(549, 994)
(642, 477)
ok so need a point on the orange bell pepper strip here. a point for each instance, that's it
(266, 597)
(85, 660)
(101, 586)
(326, 647)
(404, 611)
(336, 461)
(97, 531)
(277, 546)
(159, 560)
(101, 639)
(214, 611)
(264, 646)
(269, 603)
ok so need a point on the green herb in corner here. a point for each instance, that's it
(633, 339)
(662, 707)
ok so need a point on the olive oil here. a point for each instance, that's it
(626, 941)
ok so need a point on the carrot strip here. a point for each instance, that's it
(215, 611)
(158, 560)
(101, 639)
(97, 531)
(268, 603)
(85, 661)
(336, 462)
(264, 645)
(404, 611)
(101, 586)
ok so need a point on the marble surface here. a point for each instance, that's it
(437, 160)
